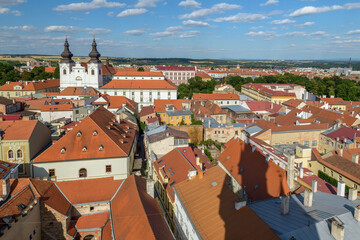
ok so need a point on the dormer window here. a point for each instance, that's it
(95, 133)
(101, 147)
(84, 149)
(63, 150)
(78, 134)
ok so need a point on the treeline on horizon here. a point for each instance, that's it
(329, 86)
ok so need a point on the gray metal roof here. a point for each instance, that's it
(154, 129)
(306, 223)
(243, 97)
(216, 124)
(180, 112)
(253, 130)
(237, 108)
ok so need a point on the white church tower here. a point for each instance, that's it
(80, 75)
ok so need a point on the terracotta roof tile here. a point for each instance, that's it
(18, 130)
(210, 204)
(78, 91)
(31, 86)
(216, 96)
(147, 110)
(160, 104)
(262, 179)
(139, 74)
(92, 221)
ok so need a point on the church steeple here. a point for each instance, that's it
(94, 54)
(66, 54)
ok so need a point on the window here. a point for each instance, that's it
(306, 143)
(115, 93)
(331, 173)
(314, 143)
(183, 118)
(89, 237)
(64, 71)
(324, 169)
(340, 178)
(355, 186)
(19, 154)
(108, 168)
(91, 209)
(92, 72)
(83, 172)
(76, 111)
(21, 168)
(10, 154)
(51, 172)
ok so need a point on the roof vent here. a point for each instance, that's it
(101, 147)
(95, 133)
(84, 149)
(63, 150)
(78, 134)
(253, 148)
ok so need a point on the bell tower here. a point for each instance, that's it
(95, 75)
(65, 66)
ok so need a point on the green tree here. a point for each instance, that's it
(140, 69)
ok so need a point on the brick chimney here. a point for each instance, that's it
(198, 162)
(357, 213)
(352, 194)
(337, 230)
(285, 205)
(308, 198)
(314, 186)
(290, 172)
(355, 158)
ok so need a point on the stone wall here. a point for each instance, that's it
(195, 132)
(53, 224)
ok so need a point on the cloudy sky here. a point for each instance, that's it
(233, 29)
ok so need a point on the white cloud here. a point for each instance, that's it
(135, 32)
(350, 6)
(306, 24)
(4, 10)
(267, 34)
(196, 23)
(284, 21)
(170, 31)
(85, 6)
(217, 8)
(189, 34)
(146, 3)
(72, 29)
(132, 12)
(22, 28)
(269, 2)
(242, 18)
(11, 2)
(357, 31)
(110, 14)
(308, 10)
(255, 28)
(296, 34)
(190, 4)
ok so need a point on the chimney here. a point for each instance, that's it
(272, 105)
(253, 148)
(301, 173)
(209, 123)
(290, 172)
(355, 158)
(341, 188)
(191, 174)
(239, 204)
(285, 207)
(198, 162)
(5, 189)
(150, 187)
(314, 186)
(337, 230)
(308, 198)
(352, 194)
(357, 213)
(341, 152)
(118, 117)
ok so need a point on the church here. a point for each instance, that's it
(85, 75)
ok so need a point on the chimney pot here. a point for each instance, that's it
(285, 201)
(341, 188)
(308, 198)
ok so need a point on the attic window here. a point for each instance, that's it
(63, 150)
(101, 147)
(214, 184)
(172, 174)
(171, 184)
(84, 149)
(228, 157)
(159, 162)
(95, 133)
(241, 170)
(78, 134)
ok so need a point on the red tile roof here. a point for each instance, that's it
(50, 69)
(315, 126)
(174, 68)
(342, 133)
(147, 110)
(334, 101)
(261, 88)
(89, 190)
(139, 74)
(216, 96)
(78, 91)
(160, 104)
(115, 138)
(139, 84)
(92, 221)
(262, 179)
(264, 106)
(135, 214)
(18, 130)
(56, 107)
(31, 86)
(210, 204)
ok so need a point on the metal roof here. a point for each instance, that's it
(237, 108)
(309, 222)
(253, 130)
(216, 124)
(180, 112)
(245, 98)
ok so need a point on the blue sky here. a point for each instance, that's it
(234, 29)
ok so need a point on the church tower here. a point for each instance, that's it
(65, 65)
(95, 67)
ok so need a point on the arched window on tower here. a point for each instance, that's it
(10, 154)
(92, 72)
(83, 172)
(19, 153)
(64, 71)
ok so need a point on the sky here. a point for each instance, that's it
(234, 29)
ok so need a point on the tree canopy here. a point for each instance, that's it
(196, 85)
